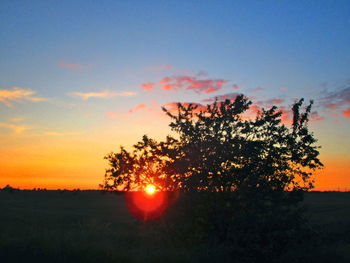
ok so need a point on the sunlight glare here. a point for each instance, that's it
(150, 189)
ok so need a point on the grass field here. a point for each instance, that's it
(49, 226)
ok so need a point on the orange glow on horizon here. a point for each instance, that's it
(56, 166)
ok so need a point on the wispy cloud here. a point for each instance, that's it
(15, 128)
(337, 102)
(71, 66)
(102, 94)
(54, 133)
(257, 89)
(147, 86)
(162, 67)
(315, 116)
(340, 97)
(346, 112)
(270, 102)
(195, 83)
(151, 108)
(16, 119)
(17, 94)
(275, 101)
(137, 108)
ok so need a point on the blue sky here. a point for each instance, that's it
(299, 44)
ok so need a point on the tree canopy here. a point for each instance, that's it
(218, 148)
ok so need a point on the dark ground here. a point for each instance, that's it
(53, 226)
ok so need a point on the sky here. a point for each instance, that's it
(80, 78)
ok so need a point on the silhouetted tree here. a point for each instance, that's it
(219, 151)
(149, 163)
(250, 172)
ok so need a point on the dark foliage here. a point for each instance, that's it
(218, 151)
(249, 175)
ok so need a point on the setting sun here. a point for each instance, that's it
(150, 189)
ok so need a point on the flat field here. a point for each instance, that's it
(88, 226)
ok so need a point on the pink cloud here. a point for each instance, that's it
(63, 64)
(340, 97)
(195, 83)
(314, 116)
(283, 89)
(162, 67)
(187, 82)
(287, 115)
(336, 102)
(168, 87)
(346, 113)
(270, 102)
(254, 109)
(331, 106)
(257, 89)
(173, 108)
(152, 108)
(207, 86)
(274, 101)
(165, 80)
(251, 112)
(147, 86)
(235, 87)
(167, 66)
(137, 107)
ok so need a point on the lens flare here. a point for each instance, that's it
(148, 204)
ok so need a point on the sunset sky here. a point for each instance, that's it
(80, 78)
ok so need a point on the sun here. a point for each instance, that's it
(150, 189)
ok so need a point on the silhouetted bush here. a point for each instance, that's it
(246, 175)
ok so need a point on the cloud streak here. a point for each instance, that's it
(137, 108)
(195, 83)
(151, 108)
(54, 133)
(337, 102)
(103, 94)
(17, 94)
(66, 65)
(162, 67)
(147, 86)
(15, 128)
(346, 112)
